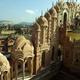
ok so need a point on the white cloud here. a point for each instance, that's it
(30, 11)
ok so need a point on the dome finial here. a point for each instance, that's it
(61, 1)
(47, 9)
(35, 18)
(41, 12)
(52, 4)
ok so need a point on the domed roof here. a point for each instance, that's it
(68, 4)
(65, 6)
(57, 7)
(37, 26)
(20, 39)
(53, 12)
(42, 21)
(4, 64)
(23, 48)
(47, 15)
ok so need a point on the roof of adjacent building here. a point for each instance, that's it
(74, 35)
(4, 64)
(42, 21)
(53, 12)
(23, 48)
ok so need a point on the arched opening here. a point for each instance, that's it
(26, 68)
(59, 54)
(43, 59)
(65, 19)
(52, 57)
(20, 69)
(5, 75)
(23, 68)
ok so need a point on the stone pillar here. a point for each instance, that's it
(31, 63)
(38, 63)
(43, 35)
(1, 76)
(11, 72)
(55, 39)
(49, 38)
(16, 70)
(23, 77)
(38, 37)
(30, 66)
(7, 76)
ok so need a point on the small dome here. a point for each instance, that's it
(57, 7)
(42, 21)
(48, 16)
(23, 48)
(68, 4)
(37, 26)
(4, 64)
(65, 6)
(20, 39)
(53, 12)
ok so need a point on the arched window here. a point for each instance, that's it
(43, 58)
(65, 18)
(52, 57)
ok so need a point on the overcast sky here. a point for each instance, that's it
(23, 10)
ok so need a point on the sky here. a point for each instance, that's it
(23, 10)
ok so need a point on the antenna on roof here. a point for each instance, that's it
(35, 18)
(52, 4)
(71, 0)
(41, 12)
(47, 9)
(76, 0)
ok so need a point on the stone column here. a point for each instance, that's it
(30, 66)
(1, 76)
(31, 63)
(43, 35)
(7, 76)
(11, 76)
(49, 31)
(23, 71)
(55, 39)
(59, 18)
(38, 37)
(16, 70)
(37, 63)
